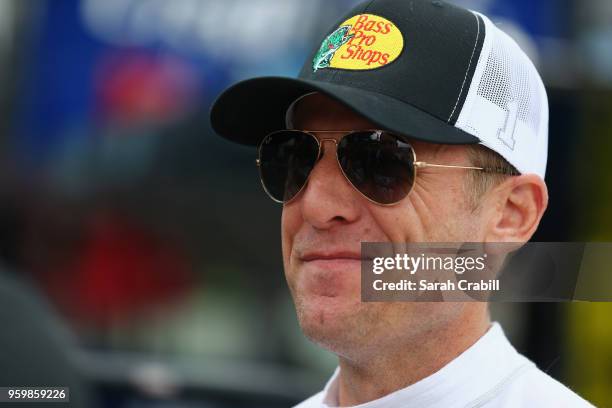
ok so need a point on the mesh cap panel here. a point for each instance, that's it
(507, 106)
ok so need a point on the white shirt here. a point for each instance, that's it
(491, 373)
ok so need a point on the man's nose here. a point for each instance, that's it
(328, 199)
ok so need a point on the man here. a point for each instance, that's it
(413, 121)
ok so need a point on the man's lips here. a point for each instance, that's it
(331, 256)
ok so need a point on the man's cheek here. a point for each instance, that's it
(287, 233)
(395, 224)
(289, 226)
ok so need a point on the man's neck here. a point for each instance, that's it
(393, 369)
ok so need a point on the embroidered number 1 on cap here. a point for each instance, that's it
(362, 42)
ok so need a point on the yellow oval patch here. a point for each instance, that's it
(371, 42)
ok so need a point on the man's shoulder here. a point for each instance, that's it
(536, 388)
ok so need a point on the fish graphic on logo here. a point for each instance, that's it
(330, 45)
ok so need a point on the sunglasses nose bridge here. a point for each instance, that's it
(321, 152)
(334, 141)
(321, 145)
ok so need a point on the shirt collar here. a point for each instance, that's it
(487, 364)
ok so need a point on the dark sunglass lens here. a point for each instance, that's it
(285, 161)
(380, 165)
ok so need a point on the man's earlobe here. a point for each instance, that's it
(520, 204)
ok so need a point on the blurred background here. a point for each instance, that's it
(145, 242)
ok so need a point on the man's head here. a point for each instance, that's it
(454, 86)
(323, 227)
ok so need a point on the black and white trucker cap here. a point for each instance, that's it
(420, 68)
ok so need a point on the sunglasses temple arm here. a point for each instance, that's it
(422, 165)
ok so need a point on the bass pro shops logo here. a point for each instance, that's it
(362, 42)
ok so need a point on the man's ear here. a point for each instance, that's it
(515, 208)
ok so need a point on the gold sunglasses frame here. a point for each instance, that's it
(312, 133)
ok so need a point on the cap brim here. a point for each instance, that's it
(249, 110)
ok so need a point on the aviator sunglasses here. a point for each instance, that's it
(378, 164)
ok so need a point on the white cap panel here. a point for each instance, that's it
(507, 106)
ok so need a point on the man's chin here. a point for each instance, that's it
(328, 320)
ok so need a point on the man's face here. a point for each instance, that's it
(322, 231)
